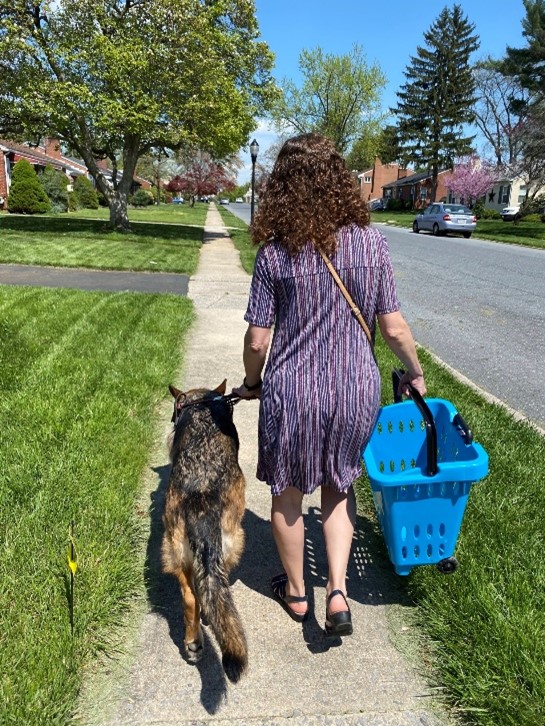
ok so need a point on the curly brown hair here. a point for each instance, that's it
(310, 195)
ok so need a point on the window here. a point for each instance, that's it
(423, 193)
(367, 180)
(503, 193)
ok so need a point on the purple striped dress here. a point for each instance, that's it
(321, 386)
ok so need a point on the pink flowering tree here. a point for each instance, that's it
(471, 179)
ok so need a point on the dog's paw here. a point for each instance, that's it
(194, 651)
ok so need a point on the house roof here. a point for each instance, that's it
(412, 179)
(36, 155)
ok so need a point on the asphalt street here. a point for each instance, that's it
(479, 306)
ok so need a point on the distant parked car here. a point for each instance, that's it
(224, 201)
(441, 218)
(239, 200)
(203, 199)
(377, 205)
(178, 200)
(509, 214)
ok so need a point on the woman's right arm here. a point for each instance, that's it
(399, 339)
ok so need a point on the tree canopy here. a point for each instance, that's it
(471, 179)
(500, 110)
(339, 97)
(384, 144)
(526, 67)
(438, 98)
(202, 176)
(116, 78)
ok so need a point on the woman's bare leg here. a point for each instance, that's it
(338, 520)
(289, 534)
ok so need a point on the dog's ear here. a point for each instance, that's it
(221, 388)
(174, 391)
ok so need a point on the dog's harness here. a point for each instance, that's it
(180, 403)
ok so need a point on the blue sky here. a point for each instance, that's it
(389, 33)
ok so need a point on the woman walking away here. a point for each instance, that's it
(320, 393)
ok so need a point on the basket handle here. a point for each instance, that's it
(431, 431)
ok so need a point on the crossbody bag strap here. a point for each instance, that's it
(353, 307)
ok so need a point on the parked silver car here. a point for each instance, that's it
(441, 218)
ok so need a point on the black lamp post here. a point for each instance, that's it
(254, 148)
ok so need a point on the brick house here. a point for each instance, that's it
(39, 156)
(49, 154)
(373, 180)
(416, 189)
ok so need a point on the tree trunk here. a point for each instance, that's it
(119, 219)
(434, 176)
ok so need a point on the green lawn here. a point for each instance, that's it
(169, 213)
(74, 241)
(81, 376)
(527, 234)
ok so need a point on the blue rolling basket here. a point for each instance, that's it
(421, 461)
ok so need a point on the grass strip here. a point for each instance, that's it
(486, 623)
(238, 231)
(81, 375)
(66, 241)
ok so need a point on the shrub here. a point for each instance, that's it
(87, 196)
(55, 185)
(478, 209)
(102, 201)
(490, 214)
(26, 194)
(73, 202)
(533, 206)
(395, 205)
(141, 198)
(532, 217)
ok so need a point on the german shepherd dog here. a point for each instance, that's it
(203, 538)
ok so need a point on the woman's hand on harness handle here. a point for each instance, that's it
(249, 392)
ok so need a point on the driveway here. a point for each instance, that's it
(104, 280)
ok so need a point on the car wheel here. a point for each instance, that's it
(415, 227)
(467, 235)
(436, 230)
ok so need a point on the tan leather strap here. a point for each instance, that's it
(355, 309)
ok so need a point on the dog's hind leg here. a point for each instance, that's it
(193, 640)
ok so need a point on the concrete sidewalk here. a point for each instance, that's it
(296, 675)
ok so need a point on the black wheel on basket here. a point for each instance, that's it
(448, 565)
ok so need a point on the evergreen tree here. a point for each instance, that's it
(85, 193)
(26, 194)
(438, 98)
(55, 185)
(528, 64)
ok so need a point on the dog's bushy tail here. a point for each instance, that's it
(212, 585)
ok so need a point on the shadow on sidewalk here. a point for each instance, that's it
(371, 581)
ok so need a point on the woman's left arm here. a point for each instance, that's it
(256, 345)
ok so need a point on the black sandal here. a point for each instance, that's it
(339, 623)
(278, 586)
